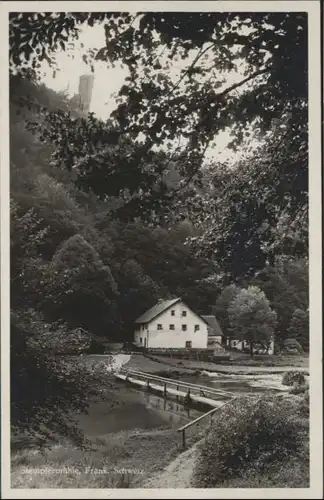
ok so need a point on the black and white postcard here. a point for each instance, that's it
(161, 250)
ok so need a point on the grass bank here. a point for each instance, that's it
(239, 366)
(125, 459)
(119, 460)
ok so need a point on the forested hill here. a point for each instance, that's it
(71, 260)
(74, 262)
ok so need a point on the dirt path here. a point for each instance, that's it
(179, 473)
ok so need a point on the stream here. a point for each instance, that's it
(127, 408)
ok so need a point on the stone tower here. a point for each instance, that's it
(85, 92)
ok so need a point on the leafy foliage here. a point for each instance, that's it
(251, 318)
(160, 110)
(292, 377)
(45, 390)
(286, 287)
(222, 304)
(249, 435)
(299, 327)
(81, 289)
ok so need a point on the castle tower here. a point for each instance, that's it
(85, 91)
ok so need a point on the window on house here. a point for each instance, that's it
(184, 328)
(188, 344)
(141, 340)
(159, 327)
(171, 327)
(184, 313)
(234, 343)
(197, 327)
(172, 312)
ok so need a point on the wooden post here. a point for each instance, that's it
(177, 391)
(184, 438)
(165, 390)
(148, 384)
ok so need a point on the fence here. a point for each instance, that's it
(189, 354)
(210, 414)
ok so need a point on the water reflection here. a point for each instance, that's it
(171, 411)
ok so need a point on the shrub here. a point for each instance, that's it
(248, 434)
(292, 346)
(299, 388)
(293, 377)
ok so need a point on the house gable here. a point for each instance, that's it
(156, 310)
(163, 306)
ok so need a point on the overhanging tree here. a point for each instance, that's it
(194, 108)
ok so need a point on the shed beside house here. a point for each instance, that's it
(215, 334)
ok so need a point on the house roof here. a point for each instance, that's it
(160, 307)
(215, 328)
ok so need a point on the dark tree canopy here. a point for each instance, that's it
(273, 47)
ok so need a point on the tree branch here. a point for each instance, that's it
(198, 56)
(245, 80)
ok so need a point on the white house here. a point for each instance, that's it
(171, 324)
(244, 345)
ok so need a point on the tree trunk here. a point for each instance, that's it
(251, 349)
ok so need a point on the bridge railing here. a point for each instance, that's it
(178, 383)
(209, 413)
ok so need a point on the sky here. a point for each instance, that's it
(108, 80)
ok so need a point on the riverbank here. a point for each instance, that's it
(172, 367)
(275, 365)
(132, 439)
(124, 459)
(130, 436)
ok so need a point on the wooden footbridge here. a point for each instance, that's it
(186, 392)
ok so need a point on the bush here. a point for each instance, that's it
(248, 434)
(292, 346)
(293, 377)
(299, 388)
